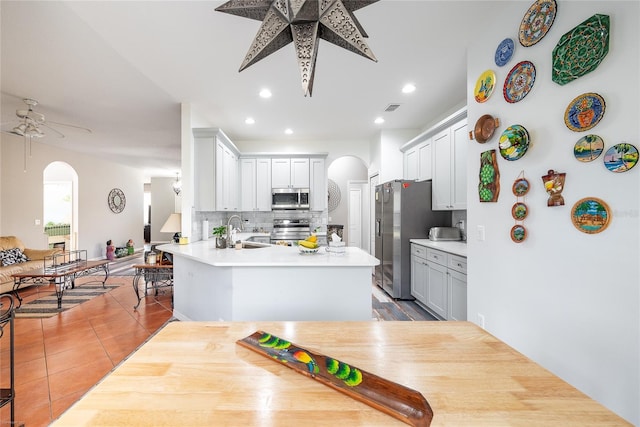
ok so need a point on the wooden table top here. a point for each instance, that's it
(78, 267)
(194, 374)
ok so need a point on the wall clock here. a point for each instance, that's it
(116, 200)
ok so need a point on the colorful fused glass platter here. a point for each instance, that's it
(590, 215)
(484, 86)
(518, 233)
(581, 50)
(520, 187)
(584, 112)
(621, 157)
(489, 185)
(504, 52)
(588, 148)
(519, 81)
(537, 22)
(519, 211)
(514, 142)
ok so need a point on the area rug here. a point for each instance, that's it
(47, 305)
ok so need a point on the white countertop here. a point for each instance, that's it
(453, 247)
(272, 256)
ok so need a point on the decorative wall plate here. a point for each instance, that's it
(484, 128)
(504, 52)
(116, 200)
(519, 211)
(484, 86)
(584, 112)
(518, 233)
(621, 157)
(519, 81)
(333, 196)
(514, 142)
(537, 22)
(489, 186)
(581, 50)
(588, 148)
(520, 187)
(590, 215)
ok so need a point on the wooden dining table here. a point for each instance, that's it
(196, 374)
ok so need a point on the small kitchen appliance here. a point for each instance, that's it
(444, 234)
(290, 198)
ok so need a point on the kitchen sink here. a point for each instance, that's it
(253, 245)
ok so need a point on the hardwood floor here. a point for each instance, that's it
(59, 359)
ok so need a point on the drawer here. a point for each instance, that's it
(419, 251)
(436, 256)
(457, 263)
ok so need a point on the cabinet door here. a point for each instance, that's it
(411, 164)
(220, 178)
(424, 161)
(441, 189)
(459, 144)
(300, 173)
(248, 184)
(437, 295)
(204, 170)
(419, 279)
(318, 185)
(457, 296)
(280, 173)
(263, 185)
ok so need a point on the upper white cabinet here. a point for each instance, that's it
(449, 151)
(318, 184)
(255, 179)
(417, 162)
(216, 171)
(290, 172)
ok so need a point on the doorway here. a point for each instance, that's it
(60, 205)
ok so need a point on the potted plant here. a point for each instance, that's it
(221, 241)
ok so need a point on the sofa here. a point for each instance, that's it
(31, 259)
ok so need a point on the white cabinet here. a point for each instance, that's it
(411, 164)
(419, 273)
(290, 172)
(318, 184)
(417, 162)
(449, 153)
(215, 171)
(255, 178)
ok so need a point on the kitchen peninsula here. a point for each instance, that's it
(269, 283)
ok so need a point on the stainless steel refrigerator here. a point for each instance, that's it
(402, 212)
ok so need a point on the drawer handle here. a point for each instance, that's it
(459, 265)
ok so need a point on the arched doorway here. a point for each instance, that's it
(60, 205)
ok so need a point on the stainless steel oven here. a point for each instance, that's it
(290, 198)
(289, 231)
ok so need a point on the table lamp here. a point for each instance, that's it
(173, 225)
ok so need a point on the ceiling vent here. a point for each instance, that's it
(391, 108)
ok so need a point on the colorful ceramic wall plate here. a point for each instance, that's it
(504, 52)
(519, 211)
(520, 187)
(514, 142)
(518, 233)
(537, 22)
(484, 86)
(519, 81)
(588, 148)
(590, 215)
(584, 112)
(581, 50)
(621, 157)
(489, 186)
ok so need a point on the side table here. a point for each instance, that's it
(155, 276)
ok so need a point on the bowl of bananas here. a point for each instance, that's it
(308, 245)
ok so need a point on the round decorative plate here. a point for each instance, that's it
(518, 233)
(485, 127)
(514, 142)
(584, 112)
(520, 187)
(588, 148)
(519, 211)
(519, 81)
(484, 86)
(116, 200)
(590, 215)
(621, 157)
(334, 195)
(504, 52)
(581, 50)
(537, 22)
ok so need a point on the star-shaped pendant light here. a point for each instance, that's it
(302, 22)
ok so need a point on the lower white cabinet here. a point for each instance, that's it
(439, 282)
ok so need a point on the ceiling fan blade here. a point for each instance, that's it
(60, 134)
(71, 126)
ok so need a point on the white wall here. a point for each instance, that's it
(22, 197)
(341, 171)
(164, 202)
(386, 157)
(568, 300)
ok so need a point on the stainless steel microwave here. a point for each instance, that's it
(290, 198)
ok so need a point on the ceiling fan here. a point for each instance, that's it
(31, 122)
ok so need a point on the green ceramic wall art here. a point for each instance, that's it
(581, 50)
(489, 186)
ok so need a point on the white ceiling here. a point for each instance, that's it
(123, 68)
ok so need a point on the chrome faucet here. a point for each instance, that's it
(229, 243)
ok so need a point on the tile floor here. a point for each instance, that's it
(60, 358)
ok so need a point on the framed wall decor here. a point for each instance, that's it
(584, 112)
(537, 21)
(588, 148)
(484, 86)
(116, 200)
(489, 186)
(590, 215)
(621, 157)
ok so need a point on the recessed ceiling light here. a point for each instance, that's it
(378, 120)
(408, 88)
(288, 131)
(249, 120)
(265, 93)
